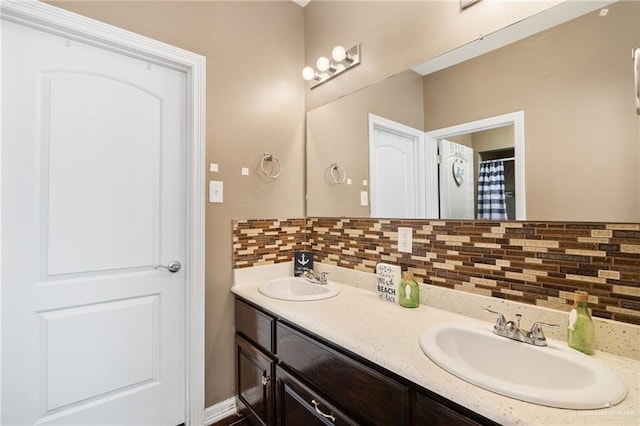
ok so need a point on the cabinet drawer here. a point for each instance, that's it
(256, 326)
(430, 412)
(362, 392)
(298, 405)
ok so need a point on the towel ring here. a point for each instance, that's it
(275, 168)
(337, 174)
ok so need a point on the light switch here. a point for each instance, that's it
(348, 181)
(245, 171)
(213, 167)
(365, 182)
(215, 191)
(364, 198)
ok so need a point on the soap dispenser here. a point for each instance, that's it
(581, 330)
(409, 291)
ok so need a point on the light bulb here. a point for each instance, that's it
(339, 54)
(323, 63)
(308, 73)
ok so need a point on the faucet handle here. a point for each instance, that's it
(323, 277)
(536, 330)
(500, 322)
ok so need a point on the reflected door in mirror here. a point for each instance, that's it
(396, 184)
(457, 180)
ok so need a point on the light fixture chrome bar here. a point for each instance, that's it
(352, 59)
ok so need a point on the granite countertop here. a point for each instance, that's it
(387, 335)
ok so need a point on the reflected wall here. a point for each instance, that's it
(574, 84)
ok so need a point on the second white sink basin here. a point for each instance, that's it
(297, 289)
(553, 375)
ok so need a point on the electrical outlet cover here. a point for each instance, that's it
(405, 240)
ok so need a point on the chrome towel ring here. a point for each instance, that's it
(274, 169)
(337, 174)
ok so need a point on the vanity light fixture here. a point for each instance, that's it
(309, 73)
(341, 61)
(324, 65)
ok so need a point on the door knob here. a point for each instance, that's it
(173, 266)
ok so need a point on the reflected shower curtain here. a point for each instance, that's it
(491, 196)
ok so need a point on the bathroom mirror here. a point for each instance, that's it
(574, 85)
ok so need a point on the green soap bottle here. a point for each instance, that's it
(409, 291)
(581, 331)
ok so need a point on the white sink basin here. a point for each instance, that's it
(297, 289)
(553, 375)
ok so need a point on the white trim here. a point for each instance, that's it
(517, 120)
(59, 21)
(431, 179)
(220, 411)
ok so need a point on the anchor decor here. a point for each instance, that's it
(302, 260)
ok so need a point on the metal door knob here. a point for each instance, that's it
(173, 266)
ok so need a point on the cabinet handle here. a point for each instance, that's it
(326, 416)
(265, 380)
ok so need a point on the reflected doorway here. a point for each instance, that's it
(483, 136)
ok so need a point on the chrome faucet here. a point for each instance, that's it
(511, 330)
(312, 277)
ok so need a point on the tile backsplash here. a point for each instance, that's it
(539, 263)
(267, 241)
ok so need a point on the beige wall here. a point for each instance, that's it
(465, 139)
(574, 83)
(338, 133)
(396, 35)
(255, 103)
(493, 139)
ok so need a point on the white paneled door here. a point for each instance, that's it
(457, 181)
(93, 201)
(395, 171)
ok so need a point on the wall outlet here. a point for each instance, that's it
(405, 240)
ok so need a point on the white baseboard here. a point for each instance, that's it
(220, 411)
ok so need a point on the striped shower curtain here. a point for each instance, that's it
(491, 196)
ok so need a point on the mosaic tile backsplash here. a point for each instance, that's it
(266, 241)
(539, 263)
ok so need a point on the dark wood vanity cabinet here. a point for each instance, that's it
(297, 404)
(255, 363)
(370, 397)
(429, 412)
(255, 374)
(287, 376)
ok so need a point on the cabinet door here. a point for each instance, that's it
(297, 405)
(431, 413)
(255, 371)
